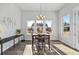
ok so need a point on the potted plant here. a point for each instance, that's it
(18, 31)
(48, 30)
(30, 30)
(40, 30)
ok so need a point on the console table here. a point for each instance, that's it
(4, 40)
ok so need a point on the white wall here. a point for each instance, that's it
(9, 10)
(31, 15)
(67, 10)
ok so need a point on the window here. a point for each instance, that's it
(48, 23)
(48, 26)
(66, 20)
(30, 25)
(39, 26)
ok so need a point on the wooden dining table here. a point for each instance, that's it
(40, 38)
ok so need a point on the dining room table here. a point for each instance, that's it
(39, 40)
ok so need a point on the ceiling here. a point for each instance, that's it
(36, 6)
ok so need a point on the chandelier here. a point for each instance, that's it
(40, 17)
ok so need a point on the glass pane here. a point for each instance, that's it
(48, 26)
(66, 20)
(48, 23)
(30, 25)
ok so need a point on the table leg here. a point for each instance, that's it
(49, 42)
(14, 43)
(1, 48)
(32, 42)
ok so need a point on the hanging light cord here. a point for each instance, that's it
(40, 16)
(40, 8)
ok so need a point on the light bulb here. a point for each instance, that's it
(43, 16)
(40, 17)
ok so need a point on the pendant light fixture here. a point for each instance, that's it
(40, 17)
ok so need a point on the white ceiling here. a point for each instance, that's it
(36, 6)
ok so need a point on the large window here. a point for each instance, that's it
(39, 26)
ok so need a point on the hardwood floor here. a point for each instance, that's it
(17, 50)
(25, 48)
(65, 48)
(21, 48)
